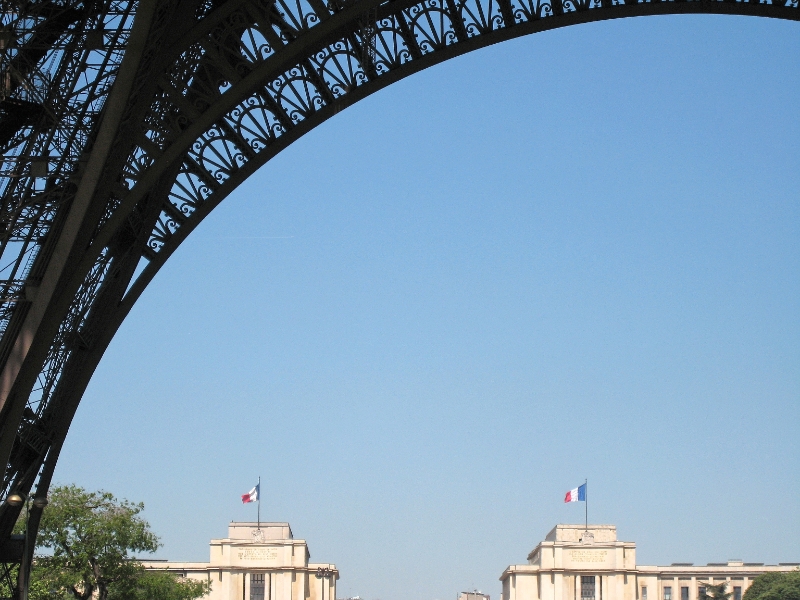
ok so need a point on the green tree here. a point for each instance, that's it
(90, 537)
(159, 585)
(715, 592)
(775, 586)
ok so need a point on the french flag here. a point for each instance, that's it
(576, 495)
(251, 496)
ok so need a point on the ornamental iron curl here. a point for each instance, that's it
(120, 134)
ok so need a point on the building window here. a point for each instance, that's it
(644, 592)
(256, 586)
(737, 592)
(587, 587)
(701, 592)
(684, 593)
(667, 592)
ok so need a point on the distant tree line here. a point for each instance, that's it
(769, 586)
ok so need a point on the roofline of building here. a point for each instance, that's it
(653, 571)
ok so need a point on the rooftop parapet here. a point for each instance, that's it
(575, 533)
(269, 531)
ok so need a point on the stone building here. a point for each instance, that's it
(579, 563)
(259, 563)
(474, 595)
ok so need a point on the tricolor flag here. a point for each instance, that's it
(576, 495)
(251, 496)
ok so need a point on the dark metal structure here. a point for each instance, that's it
(123, 123)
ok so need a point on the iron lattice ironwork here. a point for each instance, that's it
(124, 123)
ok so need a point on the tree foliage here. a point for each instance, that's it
(775, 586)
(90, 537)
(715, 592)
(159, 585)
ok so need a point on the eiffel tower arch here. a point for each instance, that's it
(124, 123)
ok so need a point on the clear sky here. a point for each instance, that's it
(573, 255)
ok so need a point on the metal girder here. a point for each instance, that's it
(120, 134)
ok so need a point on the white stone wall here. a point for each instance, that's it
(268, 549)
(569, 551)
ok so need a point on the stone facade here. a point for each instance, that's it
(579, 563)
(475, 595)
(259, 563)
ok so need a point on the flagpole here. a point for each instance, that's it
(259, 503)
(586, 502)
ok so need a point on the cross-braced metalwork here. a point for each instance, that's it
(124, 123)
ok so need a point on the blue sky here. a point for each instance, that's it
(573, 255)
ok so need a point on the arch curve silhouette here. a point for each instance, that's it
(204, 94)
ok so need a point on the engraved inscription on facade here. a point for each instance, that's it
(588, 556)
(257, 553)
